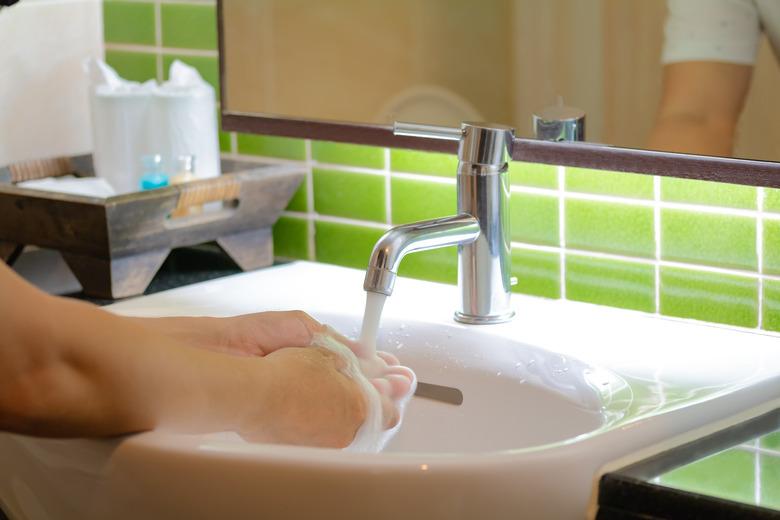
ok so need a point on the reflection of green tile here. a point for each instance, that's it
(128, 22)
(534, 219)
(533, 174)
(771, 441)
(207, 66)
(133, 66)
(436, 265)
(344, 244)
(224, 137)
(772, 200)
(706, 296)
(772, 305)
(610, 282)
(709, 193)
(609, 183)
(272, 146)
(415, 200)
(429, 163)
(772, 246)
(699, 238)
(291, 238)
(610, 227)
(351, 195)
(348, 154)
(728, 475)
(538, 273)
(189, 26)
(770, 481)
(298, 201)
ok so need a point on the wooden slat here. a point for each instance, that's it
(40, 169)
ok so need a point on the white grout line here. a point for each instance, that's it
(760, 193)
(336, 220)
(349, 169)
(388, 186)
(755, 447)
(158, 48)
(425, 178)
(657, 237)
(757, 473)
(158, 62)
(562, 226)
(312, 230)
(645, 261)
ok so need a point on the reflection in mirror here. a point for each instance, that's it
(695, 76)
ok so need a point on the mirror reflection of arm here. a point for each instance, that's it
(700, 107)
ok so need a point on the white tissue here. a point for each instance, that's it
(89, 186)
(371, 437)
(131, 119)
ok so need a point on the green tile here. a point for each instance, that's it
(128, 22)
(772, 246)
(435, 265)
(299, 202)
(728, 475)
(133, 66)
(771, 318)
(534, 219)
(708, 193)
(189, 26)
(272, 146)
(602, 182)
(415, 200)
(770, 481)
(616, 283)
(208, 67)
(538, 273)
(352, 195)
(701, 238)
(225, 144)
(772, 200)
(610, 227)
(291, 239)
(344, 244)
(533, 174)
(428, 163)
(706, 296)
(771, 441)
(348, 154)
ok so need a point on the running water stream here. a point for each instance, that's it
(371, 317)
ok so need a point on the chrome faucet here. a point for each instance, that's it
(480, 229)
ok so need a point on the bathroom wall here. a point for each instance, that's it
(43, 91)
(680, 248)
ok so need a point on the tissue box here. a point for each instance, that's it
(115, 245)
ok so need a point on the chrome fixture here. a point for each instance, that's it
(480, 229)
(559, 123)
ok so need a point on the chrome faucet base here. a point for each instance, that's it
(470, 319)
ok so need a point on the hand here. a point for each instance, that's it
(305, 399)
(249, 334)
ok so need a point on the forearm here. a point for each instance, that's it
(689, 134)
(70, 369)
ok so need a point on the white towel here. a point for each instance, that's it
(371, 437)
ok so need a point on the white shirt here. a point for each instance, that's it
(720, 30)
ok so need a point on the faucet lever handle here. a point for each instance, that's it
(429, 131)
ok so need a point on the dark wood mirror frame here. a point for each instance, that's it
(579, 154)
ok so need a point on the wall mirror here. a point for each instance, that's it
(346, 69)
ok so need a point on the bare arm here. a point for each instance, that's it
(700, 107)
(70, 369)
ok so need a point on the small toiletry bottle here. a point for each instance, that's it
(185, 169)
(153, 175)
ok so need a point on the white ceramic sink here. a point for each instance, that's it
(549, 400)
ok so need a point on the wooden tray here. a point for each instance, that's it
(114, 246)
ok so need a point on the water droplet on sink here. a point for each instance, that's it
(498, 373)
(399, 346)
(402, 326)
(518, 365)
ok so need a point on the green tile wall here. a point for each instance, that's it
(611, 221)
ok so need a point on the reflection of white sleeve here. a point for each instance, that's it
(711, 30)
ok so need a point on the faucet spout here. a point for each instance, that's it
(419, 236)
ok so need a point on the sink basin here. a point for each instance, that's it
(549, 401)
